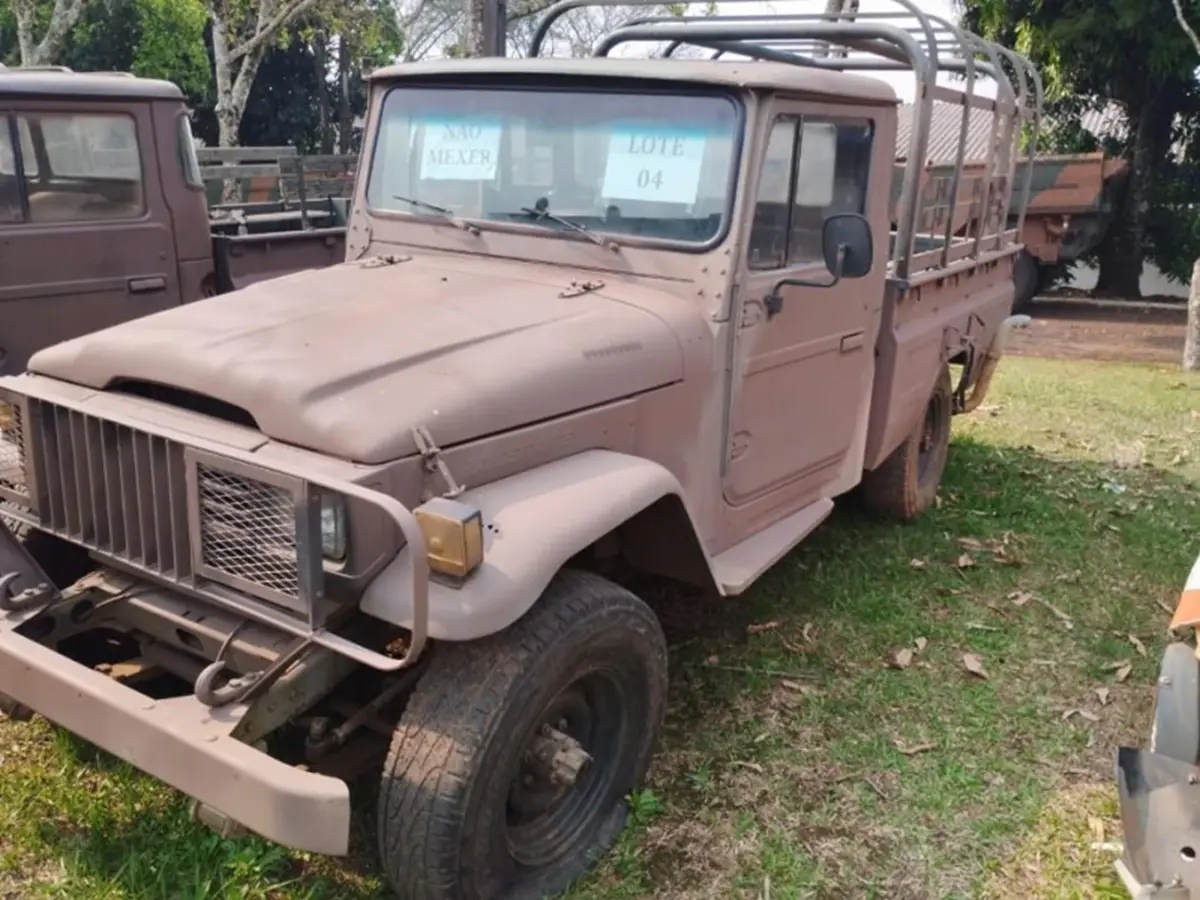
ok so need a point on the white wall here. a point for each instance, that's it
(1153, 281)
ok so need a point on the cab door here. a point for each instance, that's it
(85, 238)
(803, 356)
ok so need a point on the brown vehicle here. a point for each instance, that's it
(1070, 203)
(595, 314)
(103, 216)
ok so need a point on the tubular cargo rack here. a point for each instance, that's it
(903, 39)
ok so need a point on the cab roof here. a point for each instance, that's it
(93, 85)
(731, 73)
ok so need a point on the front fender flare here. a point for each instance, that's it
(534, 522)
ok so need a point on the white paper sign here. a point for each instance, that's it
(459, 150)
(656, 164)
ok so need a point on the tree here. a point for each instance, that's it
(1127, 51)
(55, 23)
(1191, 347)
(242, 32)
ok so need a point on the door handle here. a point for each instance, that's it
(147, 285)
(853, 342)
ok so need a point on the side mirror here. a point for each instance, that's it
(848, 246)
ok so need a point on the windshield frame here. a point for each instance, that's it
(573, 85)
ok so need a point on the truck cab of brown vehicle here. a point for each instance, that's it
(103, 216)
(592, 310)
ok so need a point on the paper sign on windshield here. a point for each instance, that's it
(460, 150)
(656, 164)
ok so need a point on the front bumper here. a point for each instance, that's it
(183, 743)
(179, 740)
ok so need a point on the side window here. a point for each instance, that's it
(93, 169)
(814, 168)
(768, 237)
(10, 188)
(188, 160)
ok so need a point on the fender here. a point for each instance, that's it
(534, 522)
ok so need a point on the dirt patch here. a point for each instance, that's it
(1072, 330)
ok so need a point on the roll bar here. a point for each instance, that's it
(906, 39)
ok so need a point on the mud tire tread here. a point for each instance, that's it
(893, 489)
(439, 744)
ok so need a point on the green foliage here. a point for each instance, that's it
(171, 43)
(1092, 52)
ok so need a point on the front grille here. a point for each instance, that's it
(125, 493)
(115, 489)
(248, 530)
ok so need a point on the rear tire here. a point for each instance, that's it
(906, 483)
(465, 812)
(1026, 279)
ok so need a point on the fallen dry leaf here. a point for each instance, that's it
(914, 749)
(807, 633)
(1020, 598)
(1102, 695)
(921, 644)
(760, 627)
(798, 687)
(1137, 645)
(971, 544)
(1082, 713)
(713, 660)
(1122, 669)
(966, 561)
(974, 665)
(1005, 558)
(902, 658)
(916, 563)
(1097, 827)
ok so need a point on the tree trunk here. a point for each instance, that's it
(235, 67)
(1123, 255)
(345, 109)
(321, 56)
(63, 17)
(473, 40)
(1191, 346)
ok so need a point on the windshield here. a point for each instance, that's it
(655, 165)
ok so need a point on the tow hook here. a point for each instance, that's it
(26, 599)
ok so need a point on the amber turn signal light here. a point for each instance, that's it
(453, 536)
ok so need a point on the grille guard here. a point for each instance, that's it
(303, 620)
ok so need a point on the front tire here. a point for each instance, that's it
(467, 809)
(906, 483)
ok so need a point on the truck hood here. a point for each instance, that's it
(347, 360)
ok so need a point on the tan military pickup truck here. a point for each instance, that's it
(103, 216)
(636, 310)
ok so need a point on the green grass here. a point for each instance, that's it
(798, 784)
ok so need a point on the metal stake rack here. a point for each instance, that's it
(905, 39)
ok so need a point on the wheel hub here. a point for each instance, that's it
(564, 769)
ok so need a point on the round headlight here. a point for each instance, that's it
(333, 527)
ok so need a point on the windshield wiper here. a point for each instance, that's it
(541, 211)
(448, 214)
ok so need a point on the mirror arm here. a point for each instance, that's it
(774, 300)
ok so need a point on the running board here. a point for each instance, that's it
(738, 567)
